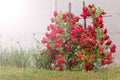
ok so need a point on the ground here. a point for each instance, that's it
(13, 73)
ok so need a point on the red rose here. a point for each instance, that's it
(85, 9)
(109, 55)
(52, 55)
(91, 36)
(84, 15)
(90, 67)
(93, 11)
(59, 40)
(44, 40)
(90, 27)
(97, 19)
(113, 48)
(57, 22)
(109, 42)
(95, 57)
(47, 34)
(87, 46)
(48, 46)
(58, 57)
(62, 60)
(88, 13)
(103, 13)
(51, 26)
(101, 25)
(79, 56)
(60, 68)
(87, 57)
(62, 53)
(102, 53)
(70, 15)
(84, 35)
(100, 21)
(88, 40)
(59, 60)
(64, 16)
(73, 61)
(52, 35)
(103, 62)
(59, 30)
(67, 46)
(82, 41)
(52, 20)
(73, 22)
(77, 19)
(109, 62)
(105, 30)
(95, 24)
(55, 13)
(73, 40)
(101, 42)
(100, 16)
(106, 37)
(90, 6)
(87, 65)
(93, 42)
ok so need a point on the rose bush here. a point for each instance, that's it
(70, 44)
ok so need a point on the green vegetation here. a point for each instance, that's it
(70, 44)
(13, 73)
(18, 57)
(31, 64)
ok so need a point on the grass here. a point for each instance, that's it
(18, 57)
(13, 73)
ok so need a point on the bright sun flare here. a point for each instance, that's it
(9, 10)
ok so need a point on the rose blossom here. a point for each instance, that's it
(67, 46)
(55, 13)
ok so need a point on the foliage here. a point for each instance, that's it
(40, 58)
(70, 44)
(15, 57)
